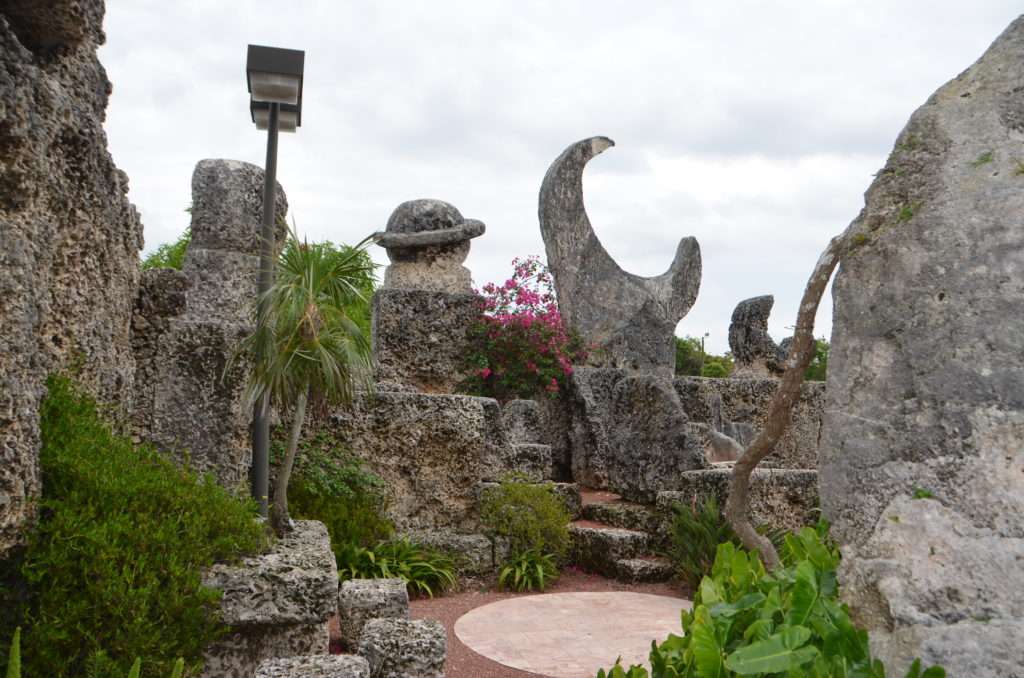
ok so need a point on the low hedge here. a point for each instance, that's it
(112, 570)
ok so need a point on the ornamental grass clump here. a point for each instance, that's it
(112, 571)
(521, 346)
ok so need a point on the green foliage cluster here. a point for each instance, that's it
(749, 622)
(535, 522)
(695, 534)
(527, 571)
(170, 254)
(691, 360)
(112, 570)
(425, 571)
(331, 485)
(14, 661)
(359, 273)
(818, 367)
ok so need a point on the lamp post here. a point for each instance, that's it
(274, 77)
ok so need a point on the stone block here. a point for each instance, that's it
(779, 498)
(531, 463)
(473, 554)
(222, 285)
(329, 666)
(296, 582)
(403, 648)
(238, 653)
(629, 433)
(522, 422)
(737, 407)
(431, 451)
(421, 338)
(360, 600)
(198, 412)
(570, 495)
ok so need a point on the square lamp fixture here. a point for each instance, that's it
(274, 75)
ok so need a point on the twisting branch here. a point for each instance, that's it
(737, 507)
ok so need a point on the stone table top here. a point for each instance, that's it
(571, 635)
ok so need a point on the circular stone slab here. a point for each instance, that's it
(571, 635)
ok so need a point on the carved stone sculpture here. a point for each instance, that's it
(631, 319)
(427, 241)
(755, 353)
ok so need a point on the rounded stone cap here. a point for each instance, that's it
(427, 223)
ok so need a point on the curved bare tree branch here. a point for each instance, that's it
(737, 507)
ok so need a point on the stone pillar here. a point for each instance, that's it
(922, 456)
(423, 313)
(69, 237)
(756, 356)
(198, 413)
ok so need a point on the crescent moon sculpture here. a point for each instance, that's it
(629, 318)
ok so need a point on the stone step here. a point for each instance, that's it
(598, 548)
(644, 569)
(623, 514)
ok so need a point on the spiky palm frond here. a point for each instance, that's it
(310, 344)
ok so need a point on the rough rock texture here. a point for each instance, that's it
(753, 350)
(432, 451)
(189, 405)
(631, 319)
(779, 498)
(421, 338)
(161, 297)
(360, 600)
(327, 666)
(276, 604)
(403, 648)
(69, 238)
(296, 582)
(238, 653)
(473, 554)
(427, 242)
(926, 382)
(629, 433)
(737, 407)
(531, 463)
(522, 422)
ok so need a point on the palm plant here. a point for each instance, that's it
(314, 352)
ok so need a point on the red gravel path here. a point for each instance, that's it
(465, 663)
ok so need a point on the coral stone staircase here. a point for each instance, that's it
(617, 539)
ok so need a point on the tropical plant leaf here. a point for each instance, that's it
(782, 652)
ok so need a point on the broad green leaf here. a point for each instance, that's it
(805, 595)
(934, 672)
(136, 668)
(732, 609)
(707, 652)
(782, 652)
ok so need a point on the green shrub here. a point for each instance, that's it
(170, 254)
(331, 485)
(14, 656)
(527, 571)
(112, 569)
(695, 535)
(748, 622)
(424, 570)
(530, 516)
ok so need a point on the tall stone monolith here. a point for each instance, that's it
(922, 459)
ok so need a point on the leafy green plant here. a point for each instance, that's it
(112, 570)
(923, 493)
(819, 363)
(14, 656)
(169, 255)
(306, 350)
(331, 485)
(527, 571)
(691, 360)
(425, 571)
(529, 515)
(749, 622)
(695, 534)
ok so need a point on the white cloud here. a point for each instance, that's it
(753, 126)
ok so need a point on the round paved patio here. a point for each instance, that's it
(570, 635)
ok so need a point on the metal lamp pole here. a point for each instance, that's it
(261, 411)
(274, 77)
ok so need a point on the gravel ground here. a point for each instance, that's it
(465, 663)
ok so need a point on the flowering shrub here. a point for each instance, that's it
(521, 347)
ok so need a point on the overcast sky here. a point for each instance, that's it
(754, 126)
